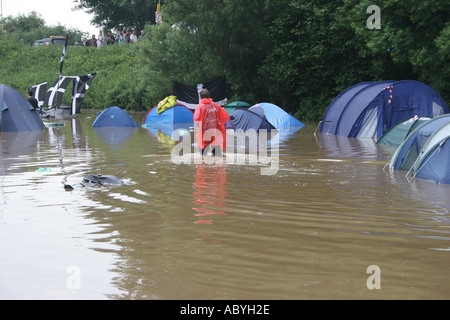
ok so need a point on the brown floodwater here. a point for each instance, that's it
(208, 230)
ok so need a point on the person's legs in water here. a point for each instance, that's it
(204, 152)
(217, 151)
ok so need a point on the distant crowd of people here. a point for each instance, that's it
(123, 37)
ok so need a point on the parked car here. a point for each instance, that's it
(52, 40)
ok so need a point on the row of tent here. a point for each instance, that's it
(369, 109)
(407, 114)
(261, 116)
(17, 114)
(425, 151)
(116, 125)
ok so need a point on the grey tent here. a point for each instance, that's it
(433, 161)
(409, 150)
(398, 133)
(247, 119)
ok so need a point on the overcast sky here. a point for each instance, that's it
(54, 12)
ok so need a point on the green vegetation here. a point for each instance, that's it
(120, 14)
(117, 83)
(28, 29)
(294, 53)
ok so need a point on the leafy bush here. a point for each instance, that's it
(119, 82)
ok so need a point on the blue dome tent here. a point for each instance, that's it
(178, 117)
(370, 109)
(16, 113)
(114, 117)
(279, 118)
(176, 114)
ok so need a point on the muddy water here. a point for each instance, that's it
(215, 231)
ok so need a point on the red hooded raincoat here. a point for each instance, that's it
(211, 119)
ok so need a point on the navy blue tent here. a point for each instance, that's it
(16, 113)
(370, 109)
(114, 117)
(246, 119)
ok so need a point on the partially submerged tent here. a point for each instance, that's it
(247, 119)
(16, 113)
(369, 109)
(177, 114)
(398, 133)
(114, 117)
(279, 118)
(407, 153)
(433, 162)
(233, 106)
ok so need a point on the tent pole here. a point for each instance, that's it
(429, 158)
(315, 131)
(56, 97)
(384, 168)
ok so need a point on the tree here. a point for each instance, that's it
(119, 14)
(314, 56)
(29, 28)
(412, 42)
(322, 47)
(24, 23)
(225, 38)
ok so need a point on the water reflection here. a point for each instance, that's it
(115, 137)
(14, 145)
(308, 232)
(343, 147)
(167, 128)
(423, 191)
(209, 192)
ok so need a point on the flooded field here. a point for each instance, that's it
(313, 230)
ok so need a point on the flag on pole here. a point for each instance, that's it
(39, 92)
(63, 55)
(80, 86)
(55, 93)
(189, 95)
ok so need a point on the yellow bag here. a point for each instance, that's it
(166, 103)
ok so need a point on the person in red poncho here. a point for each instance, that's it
(210, 119)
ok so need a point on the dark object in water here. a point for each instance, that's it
(96, 180)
